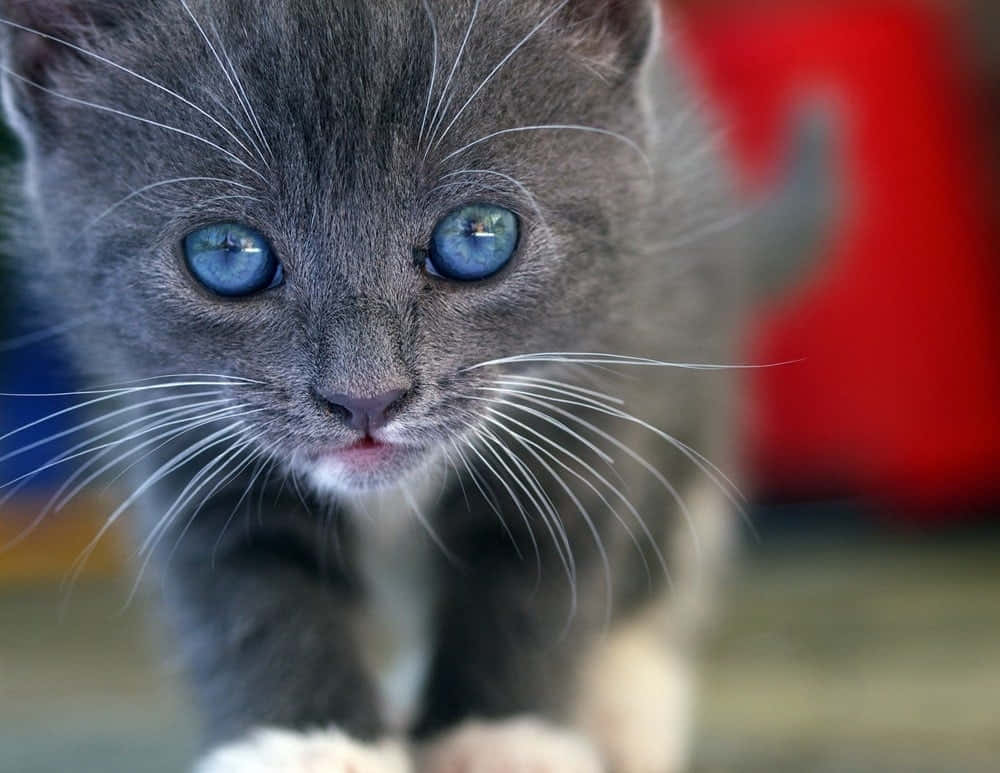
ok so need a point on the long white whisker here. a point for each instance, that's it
(591, 526)
(591, 358)
(556, 127)
(532, 487)
(45, 511)
(265, 457)
(165, 469)
(600, 478)
(644, 463)
(564, 388)
(126, 70)
(152, 186)
(247, 108)
(497, 69)
(510, 492)
(20, 342)
(447, 85)
(237, 443)
(148, 121)
(167, 419)
(100, 420)
(175, 428)
(430, 91)
(548, 419)
(431, 532)
(711, 470)
(235, 449)
(254, 118)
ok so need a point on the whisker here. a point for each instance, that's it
(175, 427)
(548, 419)
(564, 388)
(556, 127)
(600, 478)
(512, 494)
(247, 109)
(447, 85)
(105, 396)
(264, 458)
(590, 358)
(712, 471)
(431, 532)
(588, 521)
(28, 339)
(194, 485)
(254, 118)
(165, 469)
(497, 69)
(45, 511)
(644, 463)
(100, 419)
(528, 482)
(126, 70)
(430, 91)
(148, 121)
(146, 188)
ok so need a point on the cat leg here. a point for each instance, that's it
(636, 698)
(277, 751)
(503, 676)
(267, 634)
(520, 745)
(637, 687)
(618, 700)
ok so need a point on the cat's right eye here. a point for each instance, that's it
(232, 260)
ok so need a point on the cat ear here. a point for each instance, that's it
(40, 38)
(614, 34)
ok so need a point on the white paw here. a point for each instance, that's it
(517, 746)
(279, 751)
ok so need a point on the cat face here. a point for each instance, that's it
(298, 193)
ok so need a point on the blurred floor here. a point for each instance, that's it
(846, 657)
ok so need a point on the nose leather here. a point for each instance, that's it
(364, 414)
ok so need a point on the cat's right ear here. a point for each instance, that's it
(41, 39)
(616, 36)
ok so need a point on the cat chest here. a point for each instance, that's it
(396, 625)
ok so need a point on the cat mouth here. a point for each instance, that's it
(365, 464)
(364, 453)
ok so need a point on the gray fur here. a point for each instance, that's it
(615, 257)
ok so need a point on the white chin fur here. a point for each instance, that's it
(279, 751)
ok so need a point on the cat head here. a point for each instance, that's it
(347, 204)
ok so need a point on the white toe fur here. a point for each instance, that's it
(278, 751)
(524, 745)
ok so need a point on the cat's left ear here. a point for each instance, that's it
(617, 35)
(39, 39)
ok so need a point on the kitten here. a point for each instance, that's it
(401, 522)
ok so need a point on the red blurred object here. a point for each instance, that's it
(899, 397)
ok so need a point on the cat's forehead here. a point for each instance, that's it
(358, 71)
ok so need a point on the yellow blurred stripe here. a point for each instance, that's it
(48, 553)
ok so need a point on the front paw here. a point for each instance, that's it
(523, 745)
(279, 751)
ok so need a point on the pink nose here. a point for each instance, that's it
(365, 414)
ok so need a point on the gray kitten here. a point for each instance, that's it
(402, 522)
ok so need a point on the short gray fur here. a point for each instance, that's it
(627, 249)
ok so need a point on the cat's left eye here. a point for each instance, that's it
(232, 260)
(473, 243)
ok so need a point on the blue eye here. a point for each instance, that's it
(232, 260)
(474, 242)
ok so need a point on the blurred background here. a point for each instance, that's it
(860, 628)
